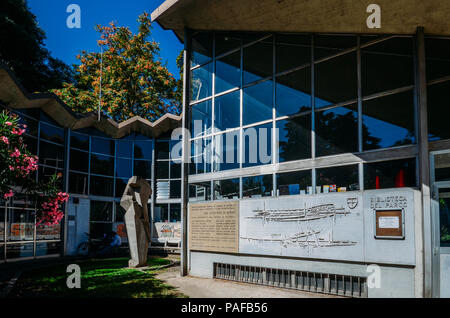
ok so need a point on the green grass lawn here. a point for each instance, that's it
(99, 278)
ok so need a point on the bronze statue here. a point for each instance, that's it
(134, 201)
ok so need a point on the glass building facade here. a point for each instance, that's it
(95, 169)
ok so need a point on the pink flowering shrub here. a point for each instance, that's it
(17, 172)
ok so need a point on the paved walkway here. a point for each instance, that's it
(196, 287)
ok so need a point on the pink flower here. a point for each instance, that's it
(8, 123)
(5, 140)
(15, 154)
(8, 194)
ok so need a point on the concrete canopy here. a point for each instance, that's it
(317, 16)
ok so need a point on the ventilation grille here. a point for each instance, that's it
(349, 286)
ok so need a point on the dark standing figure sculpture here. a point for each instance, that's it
(134, 201)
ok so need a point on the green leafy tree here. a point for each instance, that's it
(22, 49)
(134, 80)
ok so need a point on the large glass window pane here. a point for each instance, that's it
(258, 186)
(328, 45)
(257, 145)
(19, 250)
(202, 48)
(258, 60)
(226, 42)
(31, 144)
(103, 146)
(102, 165)
(79, 160)
(124, 148)
(20, 225)
(143, 168)
(51, 155)
(143, 150)
(200, 192)
(78, 183)
(102, 186)
(442, 167)
(292, 51)
(228, 72)
(162, 149)
(294, 138)
(201, 118)
(387, 65)
(337, 130)
(162, 169)
(161, 213)
(226, 151)
(175, 189)
(123, 168)
(175, 169)
(444, 216)
(338, 179)
(175, 212)
(46, 173)
(52, 133)
(438, 58)
(293, 92)
(48, 232)
(79, 141)
(201, 156)
(258, 101)
(48, 248)
(438, 111)
(388, 121)
(390, 174)
(227, 111)
(120, 187)
(201, 82)
(336, 80)
(226, 189)
(295, 182)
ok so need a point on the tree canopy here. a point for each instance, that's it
(132, 77)
(22, 49)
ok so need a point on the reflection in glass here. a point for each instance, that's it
(102, 165)
(175, 189)
(161, 213)
(202, 47)
(20, 226)
(48, 232)
(175, 212)
(121, 184)
(124, 148)
(388, 121)
(143, 149)
(291, 51)
(78, 183)
(46, 173)
(337, 130)
(52, 133)
(226, 189)
(162, 169)
(438, 58)
(226, 42)
(79, 160)
(51, 154)
(124, 168)
(227, 111)
(294, 138)
(258, 186)
(442, 167)
(226, 151)
(295, 182)
(228, 72)
(102, 145)
(343, 178)
(19, 250)
(257, 145)
(102, 186)
(293, 92)
(48, 248)
(390, 174)
(175, 169)
(387, 65)
(79, 141)
(201, 118)
(258, 60)
(327, 45)
(143, 168)
(444, 216)
(258, 101)
(438, 111)
(200, 192)
(201, 156)
(162, 149)
(201, 82)
(336, 80)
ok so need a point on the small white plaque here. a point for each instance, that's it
(388, 222)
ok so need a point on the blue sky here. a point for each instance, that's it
(65, 43)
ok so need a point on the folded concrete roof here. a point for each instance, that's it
(319, 16)
(14, 96)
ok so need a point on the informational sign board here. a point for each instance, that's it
(214, 226)
(389, 224)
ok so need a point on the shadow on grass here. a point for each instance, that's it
(99, 278)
